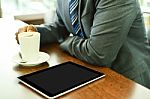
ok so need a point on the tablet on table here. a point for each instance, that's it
(55, 81)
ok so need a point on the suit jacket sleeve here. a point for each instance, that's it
(111, 24)
(53, 32)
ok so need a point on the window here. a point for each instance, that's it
(145, 3)
(145, 6)
(27, 9)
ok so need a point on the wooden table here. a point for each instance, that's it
(113, 86)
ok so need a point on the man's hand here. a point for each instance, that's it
(28, 28)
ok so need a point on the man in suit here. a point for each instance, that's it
(111, 33)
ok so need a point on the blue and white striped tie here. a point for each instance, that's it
(73, 4)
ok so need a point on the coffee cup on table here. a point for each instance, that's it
(29, 46)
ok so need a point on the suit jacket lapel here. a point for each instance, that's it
(80, 14)
(79, 11)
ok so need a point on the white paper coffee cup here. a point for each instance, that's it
(29, 45)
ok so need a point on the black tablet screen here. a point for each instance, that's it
(60, 78)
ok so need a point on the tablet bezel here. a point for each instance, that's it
(50, 95)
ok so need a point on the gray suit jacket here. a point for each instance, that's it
(115, 36)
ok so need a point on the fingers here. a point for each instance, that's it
(23, 29)
(31, 28)
(17, 37)
(28, 28)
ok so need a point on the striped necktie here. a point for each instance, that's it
(73, 5)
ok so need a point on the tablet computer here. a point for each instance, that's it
(58, 80)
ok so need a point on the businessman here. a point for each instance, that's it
(107, 33)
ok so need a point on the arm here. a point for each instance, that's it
(54, 32)
(111, 24)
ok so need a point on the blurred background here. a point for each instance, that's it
(43, 11)
(29, 11)
(145, 6)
